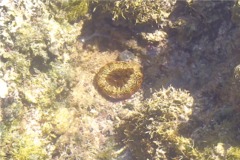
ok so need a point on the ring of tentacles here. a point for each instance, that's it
(119, 80)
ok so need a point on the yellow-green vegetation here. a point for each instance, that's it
(29, 147)
(128, 12)
(34, 51)
(20, 145)
(73, 9)
(157, 127)
(18, 63)
(57, 123)
(34, 55)
(233, 153)
(151, 129)
(236, 12)
(77, 9)
(62, 120)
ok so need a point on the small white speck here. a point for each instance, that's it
(83, 40)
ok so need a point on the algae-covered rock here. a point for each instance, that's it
(236, 13)
(151, 129)
(29, 147)
(62, 120)
(34, 52)
(129, 13)
(73, 10)
(77, 10)
(26, 145)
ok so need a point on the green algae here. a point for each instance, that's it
(73, 10)
(151, 130)
(130, 13)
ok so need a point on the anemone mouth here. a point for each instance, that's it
(119, 80)
(119, 77)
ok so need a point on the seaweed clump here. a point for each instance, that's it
(27, 146)
(129, 13)
(73, 10)
(151, 131)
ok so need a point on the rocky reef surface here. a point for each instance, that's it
(188, 104)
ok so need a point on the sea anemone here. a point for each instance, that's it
(119, 80)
